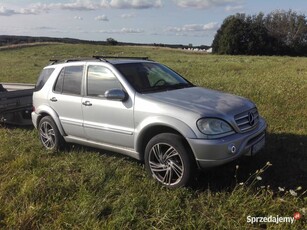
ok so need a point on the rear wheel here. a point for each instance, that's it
(168, 160)
(49, 134)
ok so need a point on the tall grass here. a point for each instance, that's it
(84, 188)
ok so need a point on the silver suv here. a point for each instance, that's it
(147, 111)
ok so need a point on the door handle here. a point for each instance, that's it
(53, 99)
(87, 103)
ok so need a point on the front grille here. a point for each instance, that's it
(247, 120)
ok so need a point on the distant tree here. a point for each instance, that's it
(111, 41)
(289, 30)
(258, 41)
(231, 38)
(278, 33)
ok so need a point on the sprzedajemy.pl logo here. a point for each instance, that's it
(273, 219)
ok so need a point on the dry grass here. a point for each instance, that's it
(89, 189)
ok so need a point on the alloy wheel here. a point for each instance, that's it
(166, 164)
(47, 135)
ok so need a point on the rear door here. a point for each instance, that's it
(106, 121)
(65, 98)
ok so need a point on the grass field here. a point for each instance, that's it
(86, 188)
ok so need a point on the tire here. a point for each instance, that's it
(169, 161)
(49, 134)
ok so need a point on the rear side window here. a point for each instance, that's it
(69, 80)
(43, 77)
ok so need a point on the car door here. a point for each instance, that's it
(65, 99)
(106, 121)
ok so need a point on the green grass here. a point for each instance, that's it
(86, 188)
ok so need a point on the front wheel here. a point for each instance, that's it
(168, 160)
(49, 134)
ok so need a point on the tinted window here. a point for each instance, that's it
(69, 80)
(43, 77)
(99, 80)
(59, 83)
(150, 77)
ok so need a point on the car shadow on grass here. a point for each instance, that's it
(286, 152)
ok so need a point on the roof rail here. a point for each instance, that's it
(53, 61)
(100, 58)
(103, 58)
(56, 61)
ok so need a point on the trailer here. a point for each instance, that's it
(16, 103)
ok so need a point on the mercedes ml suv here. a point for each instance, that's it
(147, 111)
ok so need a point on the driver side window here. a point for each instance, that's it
(99, 80)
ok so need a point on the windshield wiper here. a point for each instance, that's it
(155, 88)
(181, 85)
(166, 87)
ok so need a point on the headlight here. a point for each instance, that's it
(213, 126)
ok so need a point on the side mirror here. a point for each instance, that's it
(116, 95)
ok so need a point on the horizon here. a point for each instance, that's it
(69, 40)
(171, 22)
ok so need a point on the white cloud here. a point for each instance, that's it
(109, 31)
(131, 31)
(194, 27)
(205, 4)
(6, 12)
(123, 31)
(39, 8)
(234, 8)
(131, 15)
(134, 4)
(80, 5)
(25, 11)
(211, 26)
(78, 18)
(103, 18)
(44, 28)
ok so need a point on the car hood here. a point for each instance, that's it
(203, 101)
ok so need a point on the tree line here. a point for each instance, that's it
(277, 33)
(14, 40)
(6, 40)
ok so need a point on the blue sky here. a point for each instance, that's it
(140, 21)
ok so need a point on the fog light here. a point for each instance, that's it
(232, 148)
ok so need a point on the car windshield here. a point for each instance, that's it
(148, 77)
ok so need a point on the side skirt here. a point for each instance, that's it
(126, 151)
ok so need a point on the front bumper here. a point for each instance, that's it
(209, 153)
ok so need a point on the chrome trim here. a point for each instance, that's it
(107, 128)
(247, 120)
(251, 118)
(71, 122)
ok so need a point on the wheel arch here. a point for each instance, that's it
(47, 111)
(150, 131)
